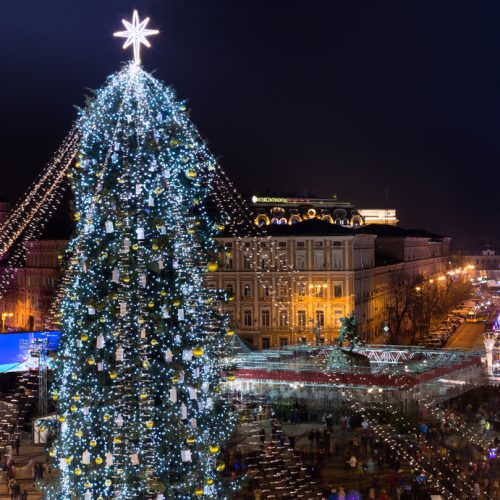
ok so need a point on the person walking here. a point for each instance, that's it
(16, 490)
(17, 444)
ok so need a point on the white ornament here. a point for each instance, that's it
(143, 333)
(138, 188)
(194, 423)
(151, 201)
(100, 341)
(119, 354)
(109, 459)
(91, 310)
(142, 280)
(117, 146)
(123, 308)
(209, 404)
(177, 339)
(186, 455)
(85, 410)
(134, 459)
(79, 343)
(205, 386)
(163, 230)
(180, 314)
(140, 233)
(165, 313)
(135, 34)
(161, 265)
(126, 245)
(85, 457)
(168, 356)
(109, 226)
(100, 366)
(119, 420)
(193, 394)
(187, 355)
(87, 495)
(173, 395)
(115, 275)
(184, 412)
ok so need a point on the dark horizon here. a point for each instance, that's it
(387, 106)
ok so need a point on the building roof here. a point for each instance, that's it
(388, 231)
(312, 227)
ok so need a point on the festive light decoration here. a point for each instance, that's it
(136, 33)
(149, 410)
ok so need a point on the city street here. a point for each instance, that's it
(467, 336)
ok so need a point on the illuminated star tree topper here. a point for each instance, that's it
(136, 33)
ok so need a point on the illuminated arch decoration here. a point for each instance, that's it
(262, 220)
(294, 219)
(310, 214)
(357, 220)
(328, 218)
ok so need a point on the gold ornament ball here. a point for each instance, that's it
(154, 342)
(62, 419)
(108, 482)
(155, 247)
(212, 267)
(117, 440)
(149, 424)
(102, 319)
(68, 460)
(91, 361)
(221, 466)
(87, 484)
(176, 303)
(191, 173)
(143, 395)
(52, 453)
(78, 471)
(98, 460)
(106, 417)
(140, 321)
(198, 492)
(198, 352)
(163, 293)
(54, 397)
(84, 337)
(93, 443)
(191, 440)
(79, 434)
(135, 246)
(158, 190)
(231, 378)
(76, 216)
(210, 481)
(126, 279)
(214, 449)
(113, 375)
(151, 304)
(73, 408)
(230, 332)
(76, 397)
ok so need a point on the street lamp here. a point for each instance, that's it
(5, 315)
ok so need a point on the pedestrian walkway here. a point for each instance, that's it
(27, 454)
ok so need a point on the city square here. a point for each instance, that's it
(190, 305)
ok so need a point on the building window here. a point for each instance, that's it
(301, 318)
(230, 289)
(301, 244)
(301, 291)
(319, 260)
(337, 315)
(265, 318)
(247, 290)
(337, 260)
(318, 243)
(284, 318)
(337, 291)
(319, 289)
(337, 243)
(266, 342)
(264, 262)
(282, 261)
(320, 318)
(283, 342)
(246, 262)
(282, 244)
(266, 290)
(301, 261)
(247, 317)
(229, 263)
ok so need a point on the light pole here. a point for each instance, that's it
(5, 315)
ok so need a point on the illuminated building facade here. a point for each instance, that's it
(298, 282)
(282, 210)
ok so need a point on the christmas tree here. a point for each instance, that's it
(140, 414)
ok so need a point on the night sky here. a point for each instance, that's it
(386, 104)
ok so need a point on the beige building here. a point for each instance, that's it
(297, 282)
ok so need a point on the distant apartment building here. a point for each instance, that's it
(486, 263)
